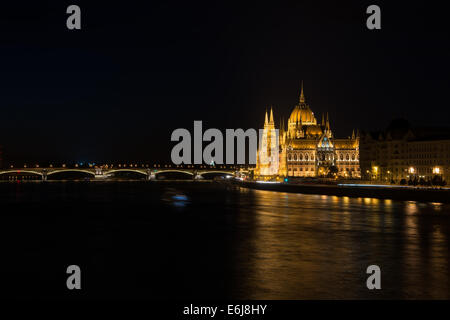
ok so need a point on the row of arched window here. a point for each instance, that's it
(307, 157)
(347, 157)
(300, 156)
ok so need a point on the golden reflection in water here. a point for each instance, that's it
(283, 248)
(388, 206)
(437, 206)
(438, 240)
(411, 207)
(296, 239)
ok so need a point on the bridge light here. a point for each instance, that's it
(64, 165)
(24, 165)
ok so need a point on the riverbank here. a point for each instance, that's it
(356, 191)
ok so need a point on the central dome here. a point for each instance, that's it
(302, 113)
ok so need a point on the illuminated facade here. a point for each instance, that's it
(267, 156)
(307, 148)
(403, 152)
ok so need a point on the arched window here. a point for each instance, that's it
(353, 156)
(301, 156)
(342, 157)
(295, 157)
(306, 157)
(347, 157)
(289, 157)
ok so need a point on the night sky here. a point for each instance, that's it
(115, 90)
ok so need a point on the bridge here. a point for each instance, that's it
(107, 171)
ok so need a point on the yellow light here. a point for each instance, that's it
(436, 170)
(375, 169)
(411, 170)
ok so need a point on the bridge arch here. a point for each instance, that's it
(71, 170)
(224, 172)
(126, 170)
(21, 171)
(173, 170)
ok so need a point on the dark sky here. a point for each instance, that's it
(115, 90)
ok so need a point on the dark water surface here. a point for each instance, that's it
(207, 240)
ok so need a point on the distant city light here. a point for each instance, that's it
(267, 181)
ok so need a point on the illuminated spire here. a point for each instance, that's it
(266, 121)
(328, 122)
(302, 96)
(271, 115)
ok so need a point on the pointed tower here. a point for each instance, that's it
(268, 152)
(328, 123)
(271, 116)
(302, 96)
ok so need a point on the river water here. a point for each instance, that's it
(207, 240)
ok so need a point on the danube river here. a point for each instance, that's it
(188, 240)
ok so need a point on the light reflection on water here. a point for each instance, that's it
(203, 240)
(309, 246)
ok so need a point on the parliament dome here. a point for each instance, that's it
(302, 112)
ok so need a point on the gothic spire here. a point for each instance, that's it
(266, 121)
(302, 96)
(271, 115)
(328, 122)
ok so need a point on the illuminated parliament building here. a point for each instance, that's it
(305, 148)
